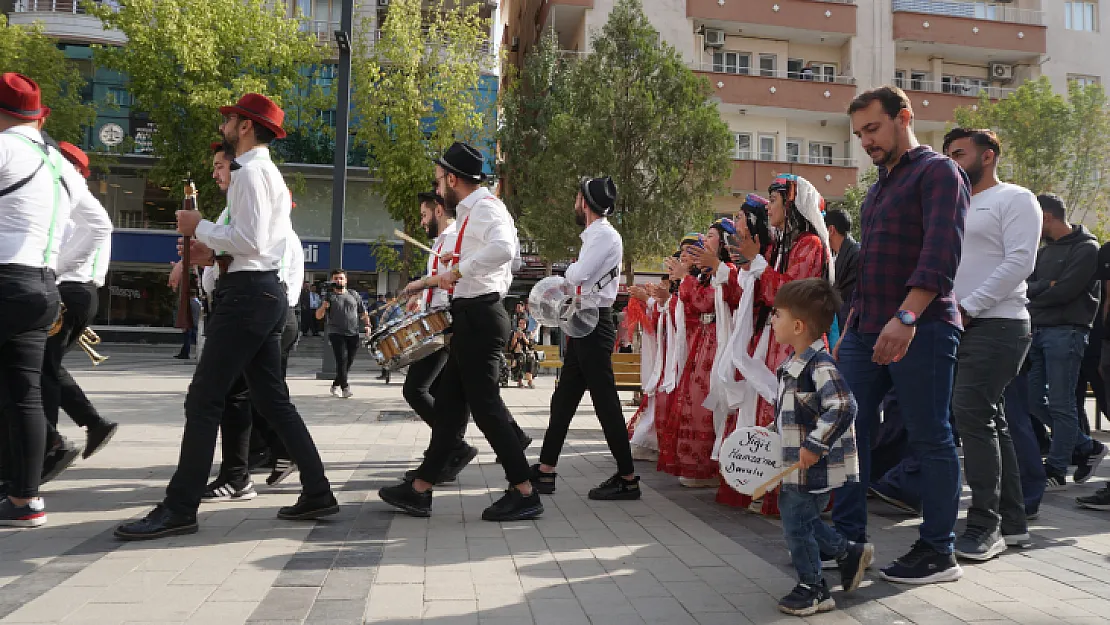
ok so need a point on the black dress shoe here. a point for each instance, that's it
(58, 460)
(97, 436)
(405, 497)
(617, 488)
(308, 508)
(514, 506)
(544, 483)
(458, 462)
(160, 523)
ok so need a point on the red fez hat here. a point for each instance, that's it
(216, 147)
(76, 156)
(21, 98)
(259, 109)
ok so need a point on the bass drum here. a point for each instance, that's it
(404, 341)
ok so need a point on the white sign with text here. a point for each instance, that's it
(750, 457)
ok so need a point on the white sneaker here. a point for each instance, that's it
(335, 391)
(347, 394)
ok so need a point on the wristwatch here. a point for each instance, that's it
(907, 317)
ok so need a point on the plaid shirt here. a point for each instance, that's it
(816, 410)
(912, 224)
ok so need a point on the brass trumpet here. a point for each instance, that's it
(87, 339)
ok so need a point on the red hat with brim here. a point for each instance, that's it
(76, 156)
(21, 98)
(260, 110)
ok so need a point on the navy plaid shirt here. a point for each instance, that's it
(912, 226)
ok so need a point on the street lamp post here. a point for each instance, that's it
(339, 176)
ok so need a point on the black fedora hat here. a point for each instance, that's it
(464, 161)
(600, 194)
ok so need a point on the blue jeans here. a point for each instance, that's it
(922, 383)
(807, 536)
(1028, 450)
(1054, 361)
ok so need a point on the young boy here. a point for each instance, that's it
(814, 416)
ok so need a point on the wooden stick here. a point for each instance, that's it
(769, 484)
(403, 236)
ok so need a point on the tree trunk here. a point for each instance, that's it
(629, 274)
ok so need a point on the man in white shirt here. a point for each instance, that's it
(40, 192)
(78, 290)
(1001, 235)
(245, 330)
(484, 251)
(588, 361)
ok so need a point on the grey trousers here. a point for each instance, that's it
(990, 356)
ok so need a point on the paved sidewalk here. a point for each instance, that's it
(674, 557)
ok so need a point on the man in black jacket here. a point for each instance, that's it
(1063, 299)
(846, 251)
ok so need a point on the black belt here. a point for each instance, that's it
(240, 278)
(466, 302)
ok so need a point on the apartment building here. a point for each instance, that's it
(784, 71)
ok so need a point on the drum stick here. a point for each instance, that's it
(769, 484)
(403, 236)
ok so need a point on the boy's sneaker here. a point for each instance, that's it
(923, 565)
(1100, 500)
(514, 506)
(544, 483)
(33, 514)
(1087, 463)
(806, 600)
(223, 490)
(1054, 481)
(617, 488)
(283, 468)
(980, 544)
(854, 564)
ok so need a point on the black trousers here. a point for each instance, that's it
(59, 389)
(29, 303)
(244, 340)
(588, 365)
(308, 322)
(344, 347)
(241, 419)
(480, 329)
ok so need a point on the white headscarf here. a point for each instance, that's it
(808, 202)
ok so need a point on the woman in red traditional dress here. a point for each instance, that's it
(646, 310)
(679, 333)
(696, 432)
(801, 251)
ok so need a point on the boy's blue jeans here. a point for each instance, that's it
(807, 536)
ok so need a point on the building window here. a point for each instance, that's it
(793, 150)
(766, 147)
(119, 96)
(820, 153)
(732, 62)
(825, 71)
(1083, 81)
(742, 146)
(918, 81)
(1080, 16)
(768, 63)
(794, 68)
(900, 79)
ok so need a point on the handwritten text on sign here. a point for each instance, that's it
(749, 457)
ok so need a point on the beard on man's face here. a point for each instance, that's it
(432, 229)
(975, 173)
(451, 199)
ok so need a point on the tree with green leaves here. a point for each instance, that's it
(186, 58)
(855, 194)
(1052, 143)
(25, 49)
(630, 109)
(417, 91)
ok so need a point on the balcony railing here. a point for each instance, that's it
(769, 73)
(973, 10)
(804, 159)
(952, 88)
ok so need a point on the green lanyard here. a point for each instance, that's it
(55, 169)
(96, 261)
(227, 220)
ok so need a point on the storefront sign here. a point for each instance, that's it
(311, 253)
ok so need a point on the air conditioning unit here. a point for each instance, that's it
(383, 3)
(714, 38)
(1002, 72)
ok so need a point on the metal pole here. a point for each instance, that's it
(339, 177)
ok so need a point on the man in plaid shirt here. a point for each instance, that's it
(904, 327)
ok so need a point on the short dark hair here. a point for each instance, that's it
(981, 137)
(1053, 205)
(262, 134)
(839, 219)
(336, 272)
(429, 197)
(813, 300)
(892, 98)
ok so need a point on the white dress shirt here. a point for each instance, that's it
(31, 226)
(258, 205)
(292, 268)
(94, 267)
(602, 251)
(1001, 236)
(445, 243)
(488, 247)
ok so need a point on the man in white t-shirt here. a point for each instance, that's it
(1002, 232)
